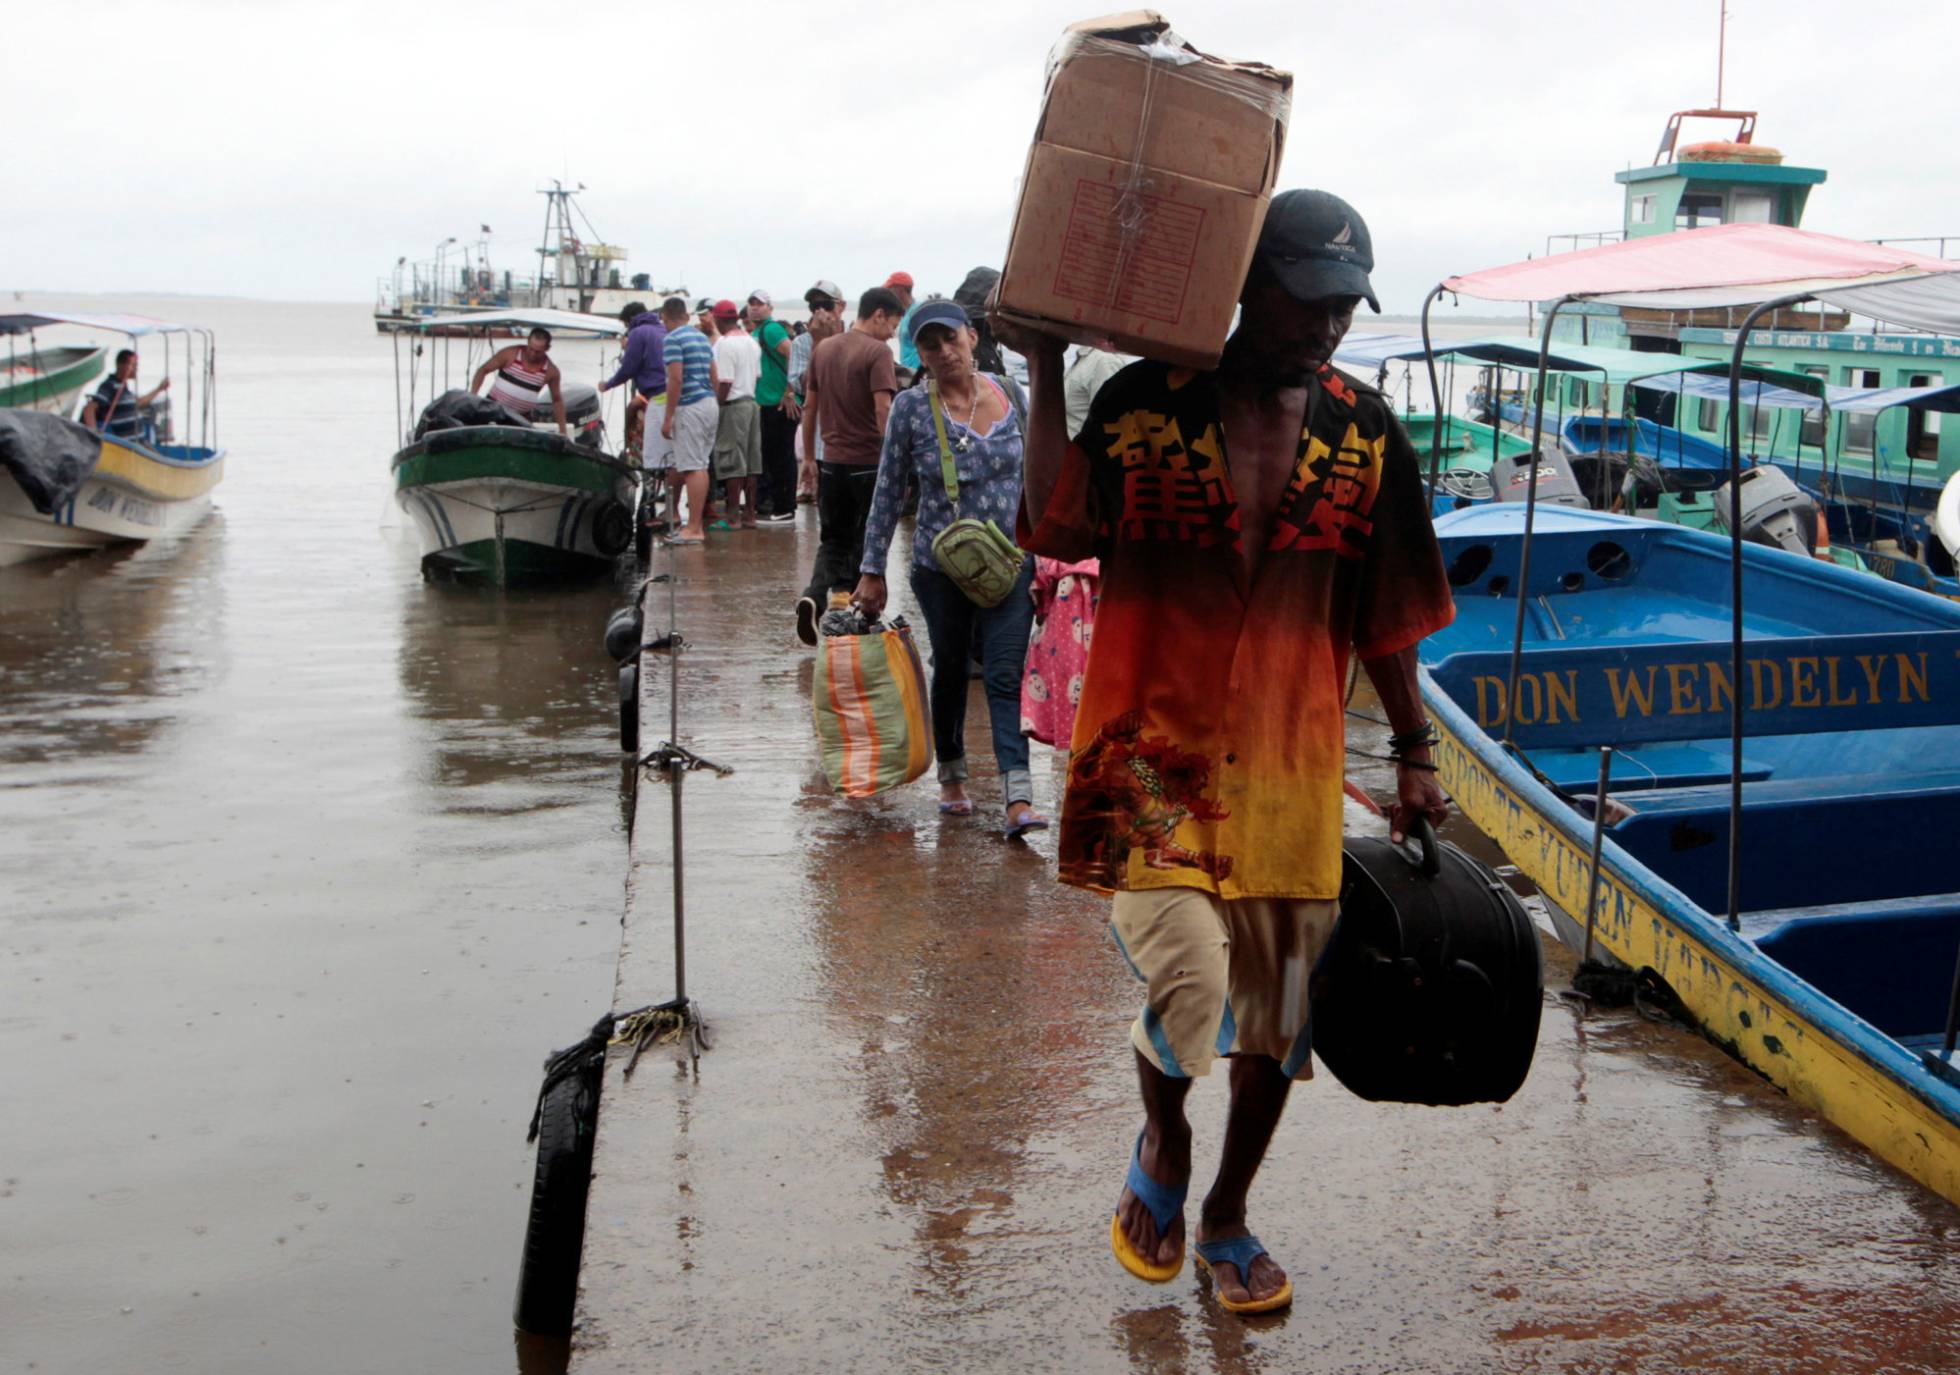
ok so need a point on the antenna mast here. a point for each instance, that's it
(1721, 48)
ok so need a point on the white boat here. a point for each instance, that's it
(112, 488)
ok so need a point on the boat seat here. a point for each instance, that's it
(1805, 841)
(1639, 770)
(1891, 962)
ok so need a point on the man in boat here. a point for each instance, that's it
(521, 374)
(115, 408)
(1205, 782)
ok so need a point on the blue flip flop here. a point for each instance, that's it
(1165, 1202)
(1033, 821)
(1240, 1252)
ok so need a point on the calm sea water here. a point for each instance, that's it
(307, 864)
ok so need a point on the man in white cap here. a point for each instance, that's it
(1205, 776)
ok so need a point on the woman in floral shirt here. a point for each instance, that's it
(982, 415)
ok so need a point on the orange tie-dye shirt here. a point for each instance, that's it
(1210, 741)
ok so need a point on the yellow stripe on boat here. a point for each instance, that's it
(1758, 1028)
(152, 476)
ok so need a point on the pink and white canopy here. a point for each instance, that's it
(1737, 265)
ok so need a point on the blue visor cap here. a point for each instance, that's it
(949, 313)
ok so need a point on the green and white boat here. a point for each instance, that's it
(509, 502)
(49, 379)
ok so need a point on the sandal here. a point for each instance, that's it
(1165, 1202)
(1031, 820)
(1240, 1252)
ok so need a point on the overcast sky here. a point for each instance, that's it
(294, 150)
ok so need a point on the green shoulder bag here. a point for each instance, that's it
(976, 554)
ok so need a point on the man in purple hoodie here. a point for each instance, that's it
(644, 363)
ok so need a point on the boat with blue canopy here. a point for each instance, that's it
(65, 487)
(1726, 766)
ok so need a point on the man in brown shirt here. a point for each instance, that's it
(848, 391)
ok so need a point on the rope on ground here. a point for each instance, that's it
(660, 1024)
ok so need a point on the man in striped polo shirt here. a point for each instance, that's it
(692, 412)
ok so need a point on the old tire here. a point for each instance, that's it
(612, 529)
(547, 1277)
(629, 706)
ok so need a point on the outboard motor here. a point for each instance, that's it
(1430, 989)
(1557, 486)
(582, 416)
(1775, 511)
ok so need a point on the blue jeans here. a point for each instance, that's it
(1004, 629)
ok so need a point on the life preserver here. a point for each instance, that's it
(1726, 150)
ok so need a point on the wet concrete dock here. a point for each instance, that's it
(904, 1147)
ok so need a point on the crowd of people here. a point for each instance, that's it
(1228, 594)
(738, 419)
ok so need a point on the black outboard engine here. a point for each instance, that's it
(1557, 486)
(1775, 511)
(582, 416)
(1430, 990)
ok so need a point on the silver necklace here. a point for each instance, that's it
(962, 442)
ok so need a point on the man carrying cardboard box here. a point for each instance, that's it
(1205, 773)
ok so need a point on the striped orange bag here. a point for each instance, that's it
(869, 700)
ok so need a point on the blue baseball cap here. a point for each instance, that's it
(949, 313)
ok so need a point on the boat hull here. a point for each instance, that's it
(50, 379)
(1870, 1082)
(498, 505)
(134, 494)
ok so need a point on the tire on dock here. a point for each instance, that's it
(547, 1276)
(629, 707)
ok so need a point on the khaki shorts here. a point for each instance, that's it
(1223, 978)
(738, 440)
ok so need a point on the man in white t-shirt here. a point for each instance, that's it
(738, 436)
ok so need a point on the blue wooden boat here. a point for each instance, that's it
(1836, 978)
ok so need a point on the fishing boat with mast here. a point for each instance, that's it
(65, 488)
(494, 498)
(1722, 764)
(578, 271)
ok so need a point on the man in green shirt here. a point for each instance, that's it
(776, 503)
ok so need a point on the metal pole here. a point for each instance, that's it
(1952, 1017)
(675, 769)
(1436, 398)
(1598, 840)
(1530, 515)
(1735, 598)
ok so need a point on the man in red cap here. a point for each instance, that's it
(900, 285)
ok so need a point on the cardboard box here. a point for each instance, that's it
(1144, 191)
